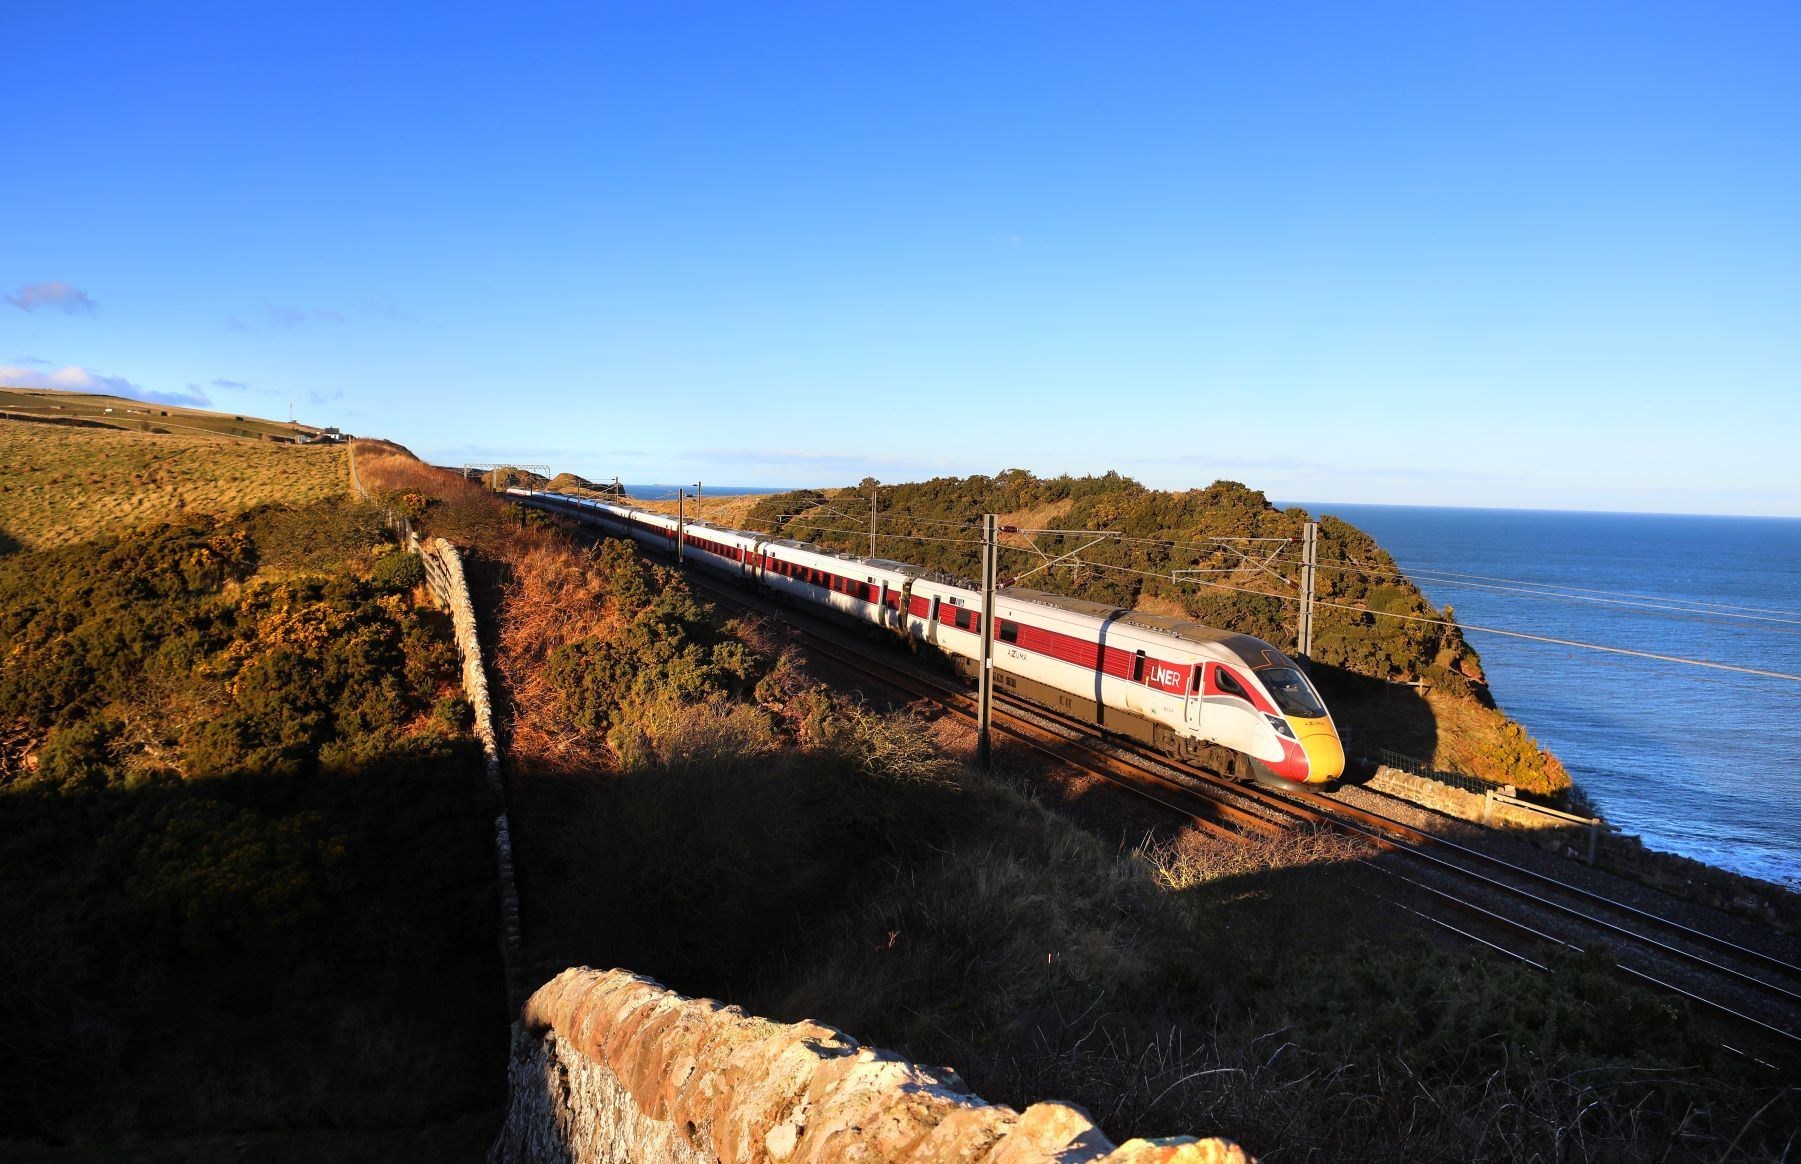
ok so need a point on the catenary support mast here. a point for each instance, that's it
(1309, 572)
(985, 678)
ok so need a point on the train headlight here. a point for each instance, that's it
(1281, 726)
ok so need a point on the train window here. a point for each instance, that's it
(1138, 667)
(1229, 684)
(1194, 682)
(1009, 631)
(1294, 695)
(964, 618)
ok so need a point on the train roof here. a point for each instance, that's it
(1251, 649)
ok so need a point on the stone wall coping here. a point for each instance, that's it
(723, 1085)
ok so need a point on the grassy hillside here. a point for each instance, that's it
(89, 410)
(246, 873)
(61, 486)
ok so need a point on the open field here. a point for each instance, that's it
(60, 486)
(88, 409)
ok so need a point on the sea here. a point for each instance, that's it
(1697, 760)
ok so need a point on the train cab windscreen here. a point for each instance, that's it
(1294, 695)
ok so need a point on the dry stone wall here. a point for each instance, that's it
(444, 576)
(450, 590)
(609, 1066)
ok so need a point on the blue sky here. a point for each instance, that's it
(1534, 254)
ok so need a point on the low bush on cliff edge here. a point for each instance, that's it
(245, 867)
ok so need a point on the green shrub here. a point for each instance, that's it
(397, 572)
(78, 757)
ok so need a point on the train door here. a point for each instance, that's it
(906, 608)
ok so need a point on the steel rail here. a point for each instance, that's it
(1572, 912)
(1700, 937)
(1619, 968)
(1317, 809)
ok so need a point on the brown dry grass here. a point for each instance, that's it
(1484, 742)
(553, 600)
(1046, 516)
(129, 415)
(729, 509)
(543, 595)
(60, 486)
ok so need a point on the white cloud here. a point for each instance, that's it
(69, 300)
(77, 379)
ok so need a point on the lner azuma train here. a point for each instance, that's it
(1227, 700)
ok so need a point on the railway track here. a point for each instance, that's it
(1222, 807)
(1493, 896)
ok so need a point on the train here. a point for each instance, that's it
(1226, 700)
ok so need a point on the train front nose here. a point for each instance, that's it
(1325, 754)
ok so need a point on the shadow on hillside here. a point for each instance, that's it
(252, 951)
(950, 924)
(8, 543)
(1374, 714)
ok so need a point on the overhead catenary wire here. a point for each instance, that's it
(1629, 651)
(1717, 612)
(900, 536)
(1358, 610)
(1719, 618)
(1444, 576)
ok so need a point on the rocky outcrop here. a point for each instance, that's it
(609, 1066)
